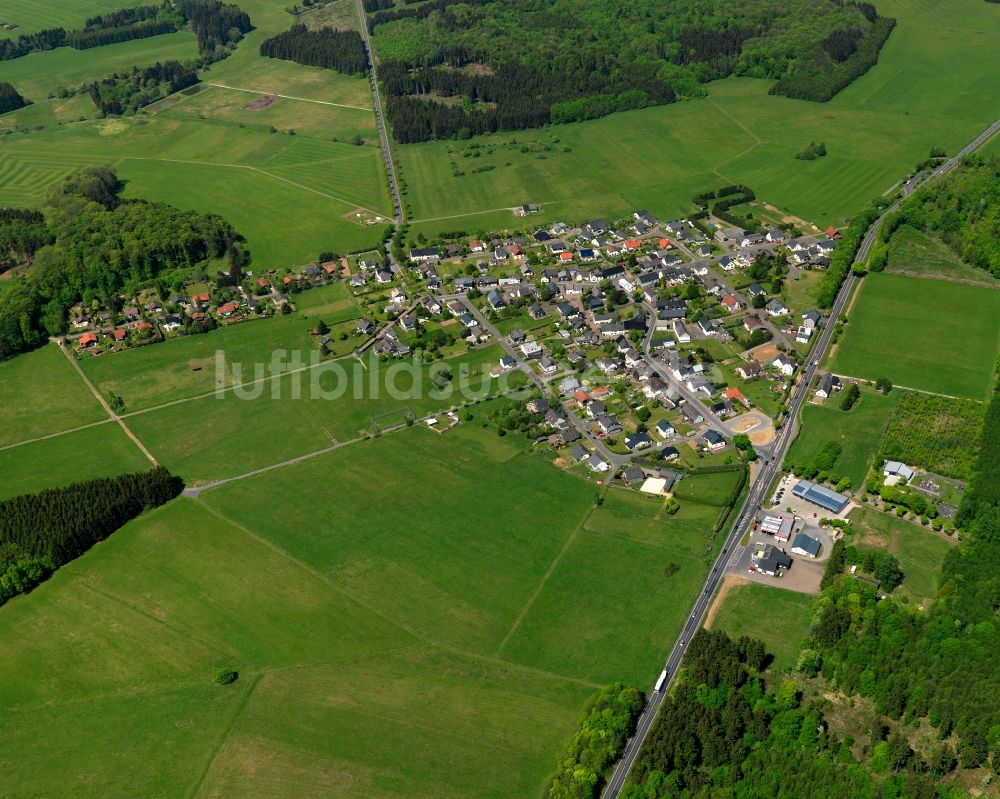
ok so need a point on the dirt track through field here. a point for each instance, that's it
(289, 97)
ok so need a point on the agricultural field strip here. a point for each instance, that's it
(225, 732)
(196, 490)
(111, 414)
(541, 583)
(180, 401)
(350, 203)
(288, 97)
(395, 622)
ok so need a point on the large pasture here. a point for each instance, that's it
(934, 85)
(935, 336)
(41, 394)
(220, 436)
(100, 451)
(31, 16)
(289, 195)
(439, 644)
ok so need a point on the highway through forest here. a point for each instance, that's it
(766, 473)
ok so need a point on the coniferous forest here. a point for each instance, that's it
(216, 24)
(343, 51)
(461, 67)
(89, 242)
(41, 532)
(10, 99)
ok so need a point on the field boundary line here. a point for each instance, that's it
(288, 97)
(757, 139)
(113, 416)
(224, 735)
(54, 435)
(545, 578)
(351, 204)
(395, 622)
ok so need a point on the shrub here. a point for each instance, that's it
(226, 676)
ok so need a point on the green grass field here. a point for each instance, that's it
(41, 394)
(800, 293)
(37, 74)
(920, 551)
(101, 451)
(185, 367)
(929, 335)
(859, 432)
(31, 16)
(289, 195)
(913, 252)
(933, 86)
(333, 303)
(773, 615)
(212, 438)
(334, 698)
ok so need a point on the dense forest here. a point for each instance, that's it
(605, 726)
(92, 243)
(343, 51)
(41, 532)
(963, 210)
(460, 67)
(723, 732)
(10, 99)
(214, 23)
(126, 93)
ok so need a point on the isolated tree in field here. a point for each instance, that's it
(851, 396)
(884, 385)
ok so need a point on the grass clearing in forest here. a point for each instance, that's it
(920, 552)
(779, 618)
(913, 252)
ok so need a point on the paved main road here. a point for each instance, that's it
(390, 166)
(761, 481)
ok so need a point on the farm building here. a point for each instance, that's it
(805, 545)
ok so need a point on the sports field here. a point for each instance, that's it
(779, 618)
(934, 85)
(439, 644)
(920, 551)
(858, 431)
(932, 336)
